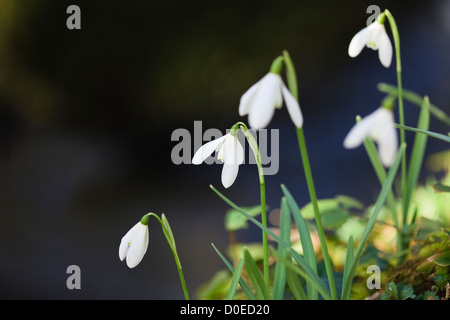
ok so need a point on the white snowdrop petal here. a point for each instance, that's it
(138, 246)
(387, 147)
(206, 150)
(124, 243)
(385, 49)
(227, 150)
(123, 249)
(231, 165)
(247, 98)
(263, 105)
(360, 131)
(387, 138)
(229, 173)
(239, 152)
(293, 107)
(358, 42)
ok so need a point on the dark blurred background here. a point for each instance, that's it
(86, 118)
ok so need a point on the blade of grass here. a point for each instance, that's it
(235, 279)
(308, 274)
(295, 285)
(279, 278)
(248, 292)
(381, 175)
(262, 292)
(350, 256)
(373, 217)
(417, 155)
(305, 237)
(293, 88)
(417, 100)
(324, 291)
(439, 187)
(428, 133)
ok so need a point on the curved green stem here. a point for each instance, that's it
(396, 36)
(254, 145)
(171, 241)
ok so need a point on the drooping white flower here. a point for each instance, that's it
(379, 125)
(134, 244)
(261, 99)
(229, 151)
(375, 37)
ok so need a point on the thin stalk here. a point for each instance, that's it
(396, 36)
(417, 100)
(313, 196)
(171, 241)
(262, 187)
(293, 88)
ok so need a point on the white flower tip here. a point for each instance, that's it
(293, 107)
(354, 138)
(358, 42)
(132, 264)
(134, 245)
(348, 144)
(385, 54)
(196, 159)
(227, 185)
(243, 109)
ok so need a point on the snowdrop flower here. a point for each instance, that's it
(260, 101)
(379, 125)
(229, 151)
(375, 37)
(134, 243)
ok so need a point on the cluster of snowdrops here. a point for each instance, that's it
(295, 270)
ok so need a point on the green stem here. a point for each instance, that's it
(171, 241)
(262, 186)
(396, 36)
(293, 88)
(312, 194)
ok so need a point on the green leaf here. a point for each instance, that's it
(262, 292)
(168, 233)
(390, 293)
(442, 259)
(430, 295)
(305, 236)
(416, 99)
(334, 219)
(295, 285)
(438, 187)
(290, 266)
(381, 175)
(416, 158)
(290, 74)
(235, 221)
(428, 133)
(338, 203)
(405, 291)
(279, 279)
(216, 287)
(372, 219)
(248, 292)
(324, 206)
(308, 274)
(347, 202)
(235, 279)
(350, 256)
